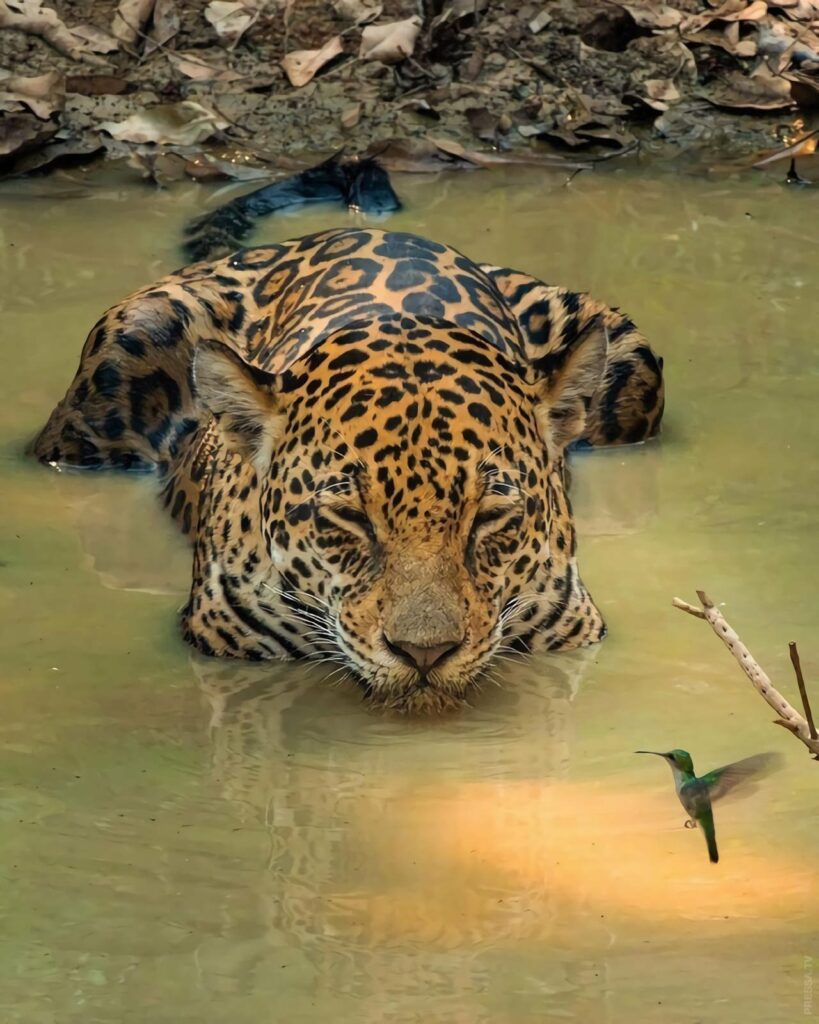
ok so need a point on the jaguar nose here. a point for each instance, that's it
(422, 658)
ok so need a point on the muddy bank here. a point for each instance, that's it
(233, 89)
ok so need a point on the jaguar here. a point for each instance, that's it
(363, 434)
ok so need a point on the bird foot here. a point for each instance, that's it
(690, 823)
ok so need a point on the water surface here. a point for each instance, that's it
(186, 840)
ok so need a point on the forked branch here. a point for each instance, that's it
(789, 718)
(803, 693)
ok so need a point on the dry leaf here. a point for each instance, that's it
(528, 158)
(801, 10)
(350, 116)
(472, 67)
(670, 47)
(301, 65)
(30, 16)
(723, 40)
(730, 11)
(658, 93)
(456, 10)
(738, 92)
(533, 131)
(390, 43)
(545, 131)
(451, 148)
(98, 85)
(656, 16)
(57, 150)
(192, 66)
(21, 132)
(231, 20)
(608, 136)
(130, 19)
(165, 25)
(540, 22)
(736, 10)
(431, 155)
(662, 89)
(43, 95)
(726, 5)
(179, 124)
(484, 124)
(469, 159)
(420, 156)
(359, 12)
(608, 106)
(95, 38)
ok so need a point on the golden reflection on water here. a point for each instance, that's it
(192, 840)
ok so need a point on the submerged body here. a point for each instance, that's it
(363, 434)
(697, 794)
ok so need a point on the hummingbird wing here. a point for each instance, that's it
(722, 781)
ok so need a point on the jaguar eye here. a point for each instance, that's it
(494, 517)
(486, 517)
(345, 517)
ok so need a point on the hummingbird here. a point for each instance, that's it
(697, 794)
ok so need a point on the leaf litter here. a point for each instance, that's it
(572, 80)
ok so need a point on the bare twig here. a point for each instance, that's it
(686, 607)
(288, 10)
(800, 682)
(789, 717)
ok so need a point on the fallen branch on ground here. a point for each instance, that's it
(789, 717)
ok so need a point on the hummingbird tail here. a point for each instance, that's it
(707, 823)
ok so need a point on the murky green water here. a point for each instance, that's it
(194, 841)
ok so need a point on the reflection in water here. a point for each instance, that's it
(618, 490)
(251, 707)
(202, 841)
(107, 512)
(351, 814)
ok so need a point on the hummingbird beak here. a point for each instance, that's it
(655, 752)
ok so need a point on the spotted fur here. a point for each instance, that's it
(363, 434)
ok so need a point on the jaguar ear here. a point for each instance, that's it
(244, 401)
(570, 377)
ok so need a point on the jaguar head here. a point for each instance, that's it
(393, 504)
